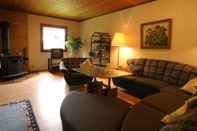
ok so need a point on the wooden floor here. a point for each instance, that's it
(46, 92)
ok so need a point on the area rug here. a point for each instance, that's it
(17, 116)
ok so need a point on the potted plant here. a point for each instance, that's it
(73, 44)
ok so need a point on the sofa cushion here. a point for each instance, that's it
(184, 77)
(193, 74)
(139, 63)
(135, 70)
(165, 102)
(174, 90)
(157, 84)
(142, 118)
(154, 69)
(150, 68)
(88, 112)
(173, 72)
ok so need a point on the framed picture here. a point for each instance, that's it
(156, 35)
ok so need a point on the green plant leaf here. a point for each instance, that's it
(73, 44)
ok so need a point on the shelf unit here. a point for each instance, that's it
(100, 48)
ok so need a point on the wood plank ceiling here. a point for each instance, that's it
(69, 9)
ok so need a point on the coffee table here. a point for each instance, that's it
(102, 72)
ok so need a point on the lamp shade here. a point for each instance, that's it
(118, 39)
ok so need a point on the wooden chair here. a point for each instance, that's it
(54, 61)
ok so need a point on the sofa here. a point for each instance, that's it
(158, 83)
(72, 77)
(82, 111)
(154, 76)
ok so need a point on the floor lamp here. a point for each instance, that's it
(118, 41)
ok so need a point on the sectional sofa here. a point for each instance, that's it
(157, 83)
(154, 76)
(88, 112)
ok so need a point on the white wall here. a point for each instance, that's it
(184, 30)
(39, 60)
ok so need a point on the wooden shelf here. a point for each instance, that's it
(100, 48)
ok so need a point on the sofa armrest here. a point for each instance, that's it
(70, 63)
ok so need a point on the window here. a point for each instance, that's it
(52, 37)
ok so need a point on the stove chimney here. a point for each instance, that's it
(5, 37)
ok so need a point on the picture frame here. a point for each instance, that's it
(156, 34)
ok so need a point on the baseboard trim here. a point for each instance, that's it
(36, 71)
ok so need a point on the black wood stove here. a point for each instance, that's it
(10, 66)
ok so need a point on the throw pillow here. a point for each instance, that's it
(86, 65)
(189, 104)
(191, 115)
(136, 70)
(174, 115)
(187, 122)
(192, 102)
(191, 86)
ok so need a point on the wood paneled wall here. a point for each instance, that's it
(18, 30)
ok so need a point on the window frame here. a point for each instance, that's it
(54, 26)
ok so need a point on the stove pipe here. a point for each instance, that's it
(5, 37)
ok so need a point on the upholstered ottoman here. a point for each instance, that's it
(142, 117)
(165, 102)
(88, 112)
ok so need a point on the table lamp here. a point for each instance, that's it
(118, 41)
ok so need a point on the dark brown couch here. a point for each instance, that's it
(162, 95)
(72, 77)
(155, 76)
(88, 112)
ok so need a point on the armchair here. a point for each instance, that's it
(72, 77)
(56, 56)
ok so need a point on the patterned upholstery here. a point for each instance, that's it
(70, 63)
(170, 72)
(160, 70)
(173, 72)
(154, 69)
(184, 77)
(150, 68)
(137, 62)
(193, 74)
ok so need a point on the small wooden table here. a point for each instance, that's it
(102, 72)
